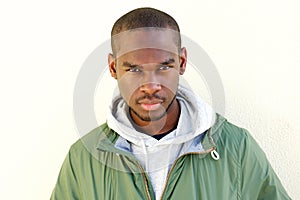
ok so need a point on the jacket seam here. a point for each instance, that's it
(239, 172)
(240, 167)
(71, 154)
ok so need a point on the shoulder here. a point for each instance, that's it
(226, 132)
(237, 135)
(90, 141)
(236, 140)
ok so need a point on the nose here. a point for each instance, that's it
(150, 83)
(150, 88)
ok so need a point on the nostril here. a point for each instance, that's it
(150, 87)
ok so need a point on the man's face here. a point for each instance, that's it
(147, 69)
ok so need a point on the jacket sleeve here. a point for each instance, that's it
(258, 179)
(66, 187)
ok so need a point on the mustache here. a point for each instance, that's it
(150, 97)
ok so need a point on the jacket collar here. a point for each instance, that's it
(108, 137)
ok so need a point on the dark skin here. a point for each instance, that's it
(148, 79)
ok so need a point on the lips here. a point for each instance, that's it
(150, 105)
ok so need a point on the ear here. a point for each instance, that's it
(112, 65)
(183, 60)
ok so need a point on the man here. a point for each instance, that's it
(160, 140)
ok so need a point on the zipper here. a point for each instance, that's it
(173, 165)
(141, 170)
(213, 149)
(145, 180)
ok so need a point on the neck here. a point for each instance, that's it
(166, 124)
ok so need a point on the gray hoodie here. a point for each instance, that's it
(157, 156)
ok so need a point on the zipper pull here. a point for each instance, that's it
(214, 154)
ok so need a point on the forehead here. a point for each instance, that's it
(147, 56)
(138, 39)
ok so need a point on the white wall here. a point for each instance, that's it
(254, 44)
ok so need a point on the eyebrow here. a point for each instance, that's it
(171, 60)
(128, 64)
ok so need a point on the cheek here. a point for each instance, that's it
(170, 82)
(127, 88)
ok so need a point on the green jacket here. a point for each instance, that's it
(95, 170)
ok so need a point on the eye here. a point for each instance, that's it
(135, 69)
(164, 67)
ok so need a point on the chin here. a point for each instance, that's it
(150, 116)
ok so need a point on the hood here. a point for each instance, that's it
(195, 118)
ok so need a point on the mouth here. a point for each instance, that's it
(150, 107)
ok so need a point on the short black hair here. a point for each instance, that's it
(144, 17)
